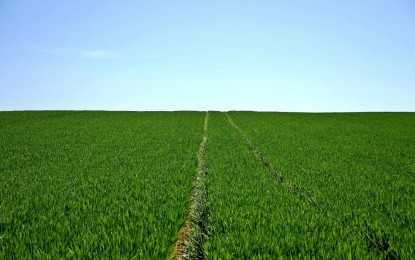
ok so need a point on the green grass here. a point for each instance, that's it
(248, 210)
(79, 184)
(95, 184)
(360, 166)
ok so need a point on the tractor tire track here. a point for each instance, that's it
(191, 236)
(298, 191)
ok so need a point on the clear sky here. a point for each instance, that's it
(355, 55)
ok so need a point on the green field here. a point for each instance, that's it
(144, 185)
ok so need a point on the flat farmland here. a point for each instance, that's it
(214, 185)
(359, 169)
(94, 184)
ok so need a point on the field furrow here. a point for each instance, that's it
(298, 191)
(250, 215)
(191, 236)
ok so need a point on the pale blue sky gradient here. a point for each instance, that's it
(310, 56)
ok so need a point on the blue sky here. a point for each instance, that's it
(306, 56)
